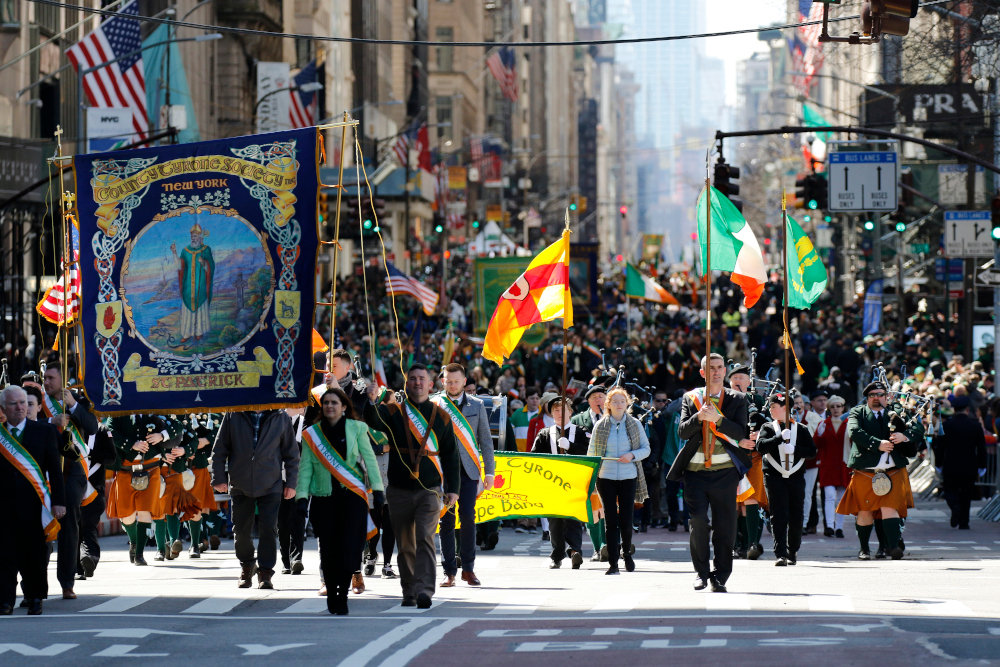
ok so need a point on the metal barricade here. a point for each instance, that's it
(991, 510)
(496, 409)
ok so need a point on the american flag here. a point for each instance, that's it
(302, 110)
(807, 50)
(121, 84)
(397, 283)
(401, 148)
(414, 139)
(487, 161)
(501, 65)
(52, 307)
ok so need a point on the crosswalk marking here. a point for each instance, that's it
(219, 604)
(830, 603)
(120, 603)
(519, 604)
(306, 606)
(945, 608)
(620, 602)
(737, 601)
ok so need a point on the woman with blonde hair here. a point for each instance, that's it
(621, 441)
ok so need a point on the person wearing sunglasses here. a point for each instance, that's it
(881, 442)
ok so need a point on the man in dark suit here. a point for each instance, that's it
(961, 455)
(102, 454)
(21, 521)
(711, 469)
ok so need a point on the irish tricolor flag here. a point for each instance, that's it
(734, 247)
(638, 286)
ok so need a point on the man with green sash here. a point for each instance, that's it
(72, 416)
(423, 458)
(195, 273)
(31, 493)
(472, 428)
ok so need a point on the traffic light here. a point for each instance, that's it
(724, 174)
(812, 192)
(869, 226)
(353, 213)
(573, 205)
(995, 214)
(802, 191)
(475, 224)
(888, 17)
(821, 192)
(623, 210)
(900, 226)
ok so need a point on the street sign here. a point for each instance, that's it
(968, 234)
(862, 180)
(989, 277)
(918, 248)
(956, 269)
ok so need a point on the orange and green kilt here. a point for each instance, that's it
(124, 501)
(859, 496)
(172, 493)
(756, 478)
(203, 491)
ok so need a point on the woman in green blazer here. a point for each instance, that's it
(337, 469)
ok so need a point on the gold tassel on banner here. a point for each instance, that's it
(787, 342)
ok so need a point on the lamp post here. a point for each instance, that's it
(81, 135)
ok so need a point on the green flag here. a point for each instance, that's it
(806, 273)
(813, 118)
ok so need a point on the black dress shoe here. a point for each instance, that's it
(672, 527)
(6, 610)
(576, 559)
(629, 563)
(88, 564)
(337, 605)
(754, 552)
(139, 560)
(555, 565)
(24, 603)
(35, 607)
(781, 562)
(613, 570)
(717, 586)
(839, 533)
(954, 521)
(423, 601)
(700, 583)
(828, 532)
(409, 601)
(864, 554)
(792, 560)
(880, 554)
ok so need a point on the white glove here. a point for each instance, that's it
(786, 435)
(563, 443)
(784, 449)
(821, 428)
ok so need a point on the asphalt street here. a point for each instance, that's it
(941, 604)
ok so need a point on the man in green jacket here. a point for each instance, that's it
(421, 461)
(881, 442)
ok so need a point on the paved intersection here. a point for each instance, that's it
(939, 604)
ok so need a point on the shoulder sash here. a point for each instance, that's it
(463, 430)
(419, 428)
(25, 463)
(350, 477)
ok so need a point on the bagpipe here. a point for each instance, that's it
(641, 407)
(913, 406)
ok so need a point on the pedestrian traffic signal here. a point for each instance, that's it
(888, 17)
(724, 175)
(995, 214)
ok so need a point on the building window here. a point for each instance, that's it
(444, 115)
(444, 52)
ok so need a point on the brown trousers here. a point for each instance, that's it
(415, 516)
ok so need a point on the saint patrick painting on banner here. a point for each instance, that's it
(195, 271)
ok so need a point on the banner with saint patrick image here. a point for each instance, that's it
(197, 265)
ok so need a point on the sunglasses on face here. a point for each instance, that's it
(877, 395)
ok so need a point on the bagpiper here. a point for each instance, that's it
(749, 521)
(167, 527)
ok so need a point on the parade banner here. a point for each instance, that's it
(197, 265)
(539, 485)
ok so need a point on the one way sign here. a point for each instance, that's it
(989, 277)
(968, 234)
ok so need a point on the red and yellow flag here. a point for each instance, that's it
(540, 294)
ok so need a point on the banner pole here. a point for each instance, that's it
(708, 315)
(787, 338)
(567, 302)
(336, 233)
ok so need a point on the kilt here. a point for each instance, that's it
(203, 491)
(756, 478)
(124, 501)
(859, 496)
(172, 493)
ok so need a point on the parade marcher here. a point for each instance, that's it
(521, 419)
(135, 494)
(563, 438)
(291, 522)
(785, 448)
(167, 526)
(70, 413)
(833, 449)
(201, 430)
(749, 517)
(711, 465)
(620, 482)
(337, 469)
(961, 454)
(595, 398)
(31, 493)
(102, 456)
(671, 416)
(423, 458)
(815, 416)
(879, 481)
(542, 420)
(472, 430)
(256, 460)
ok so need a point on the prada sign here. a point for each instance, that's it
(927, 105)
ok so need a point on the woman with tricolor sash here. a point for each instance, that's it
(337, 469)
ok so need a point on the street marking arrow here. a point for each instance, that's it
(261, 649)
(127, 633)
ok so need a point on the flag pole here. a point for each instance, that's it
(786, 338)
(336, 234)
(708, 314)
(567, 304)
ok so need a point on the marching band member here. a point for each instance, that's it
(833, 449)
(167, 527)
(750, 508)
(785, 451)
(878, 458)
(566, 439)
(711, 465)
(201, 429)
